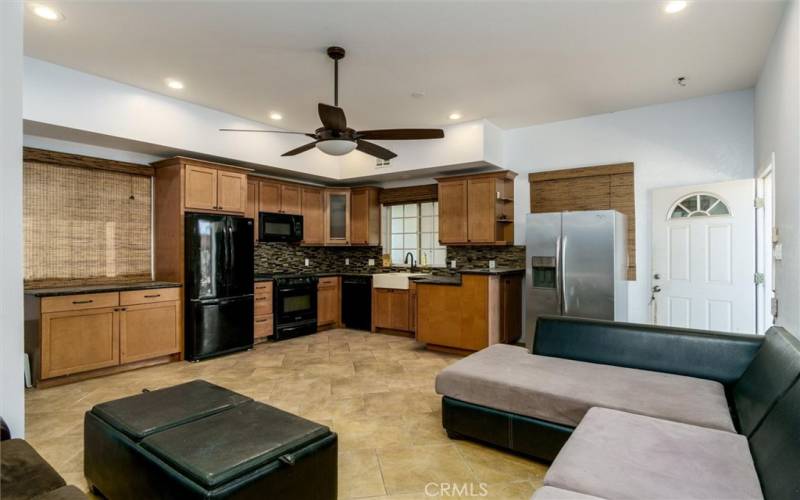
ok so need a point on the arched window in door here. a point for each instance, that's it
(699, 205)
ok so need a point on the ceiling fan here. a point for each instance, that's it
(336, 138)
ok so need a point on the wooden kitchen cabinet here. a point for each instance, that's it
(213, 189)
(279, 197)
(337, 217)
(71, 336)
(452, 211)
(263, 313)
(477, 209)
(329, 303)
(391, 310)
(149, 330)
(312, 201)
(78, 341)
(365, 216)
(480, 311)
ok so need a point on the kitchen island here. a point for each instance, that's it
(469, 312)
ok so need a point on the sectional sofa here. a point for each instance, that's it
(628, 411)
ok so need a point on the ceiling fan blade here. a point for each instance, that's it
(374, 150)
(332, 117)
(301, 149)
(401, 134)
(265, 131)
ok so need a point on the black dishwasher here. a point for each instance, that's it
(357, 302)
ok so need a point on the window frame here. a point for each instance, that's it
(419, 249)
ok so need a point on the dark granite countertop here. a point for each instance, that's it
(111, 287)
(495, 271)
(436, 280)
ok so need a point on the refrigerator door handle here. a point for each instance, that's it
(232, 262)
(558, 275)
(562, 271)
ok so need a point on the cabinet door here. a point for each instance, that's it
(381, 308)
(328, 302)
(337, 217)
(251, 208)
(481, 212)
(313, 203)
(269, 196)
(201, 188)
(231, 191)
(359, 217)
(149, 331)
(290, 199)
(453, 212)
(400, 311)
(79, 341)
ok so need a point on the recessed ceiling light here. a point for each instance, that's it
(276, 116)
(174, 84)
(675, 6)
(46, 12)
(455, 116)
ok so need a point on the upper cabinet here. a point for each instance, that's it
(365, 216)
(477, 209)
(337, 216)
(278, 197)
(211, 188)
(312, 202)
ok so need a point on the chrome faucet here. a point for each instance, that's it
(411, 256)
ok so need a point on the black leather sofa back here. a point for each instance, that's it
(723, 357)
(775, 368)
(775, 446)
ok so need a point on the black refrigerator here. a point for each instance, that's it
(219, 285)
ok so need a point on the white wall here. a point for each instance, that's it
(78, 148)
(12, 395)
(696, 141)
(777, 130)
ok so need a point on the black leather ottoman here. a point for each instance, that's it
(199, 440)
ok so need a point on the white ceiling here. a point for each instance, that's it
(515, 64)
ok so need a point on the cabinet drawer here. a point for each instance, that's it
(148, 296)
(329, 281)
(263, 304)
(262, 326)
(262, 287)
(78, 302)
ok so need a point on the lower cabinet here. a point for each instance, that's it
(329, 308)
(149, 330)
(263, 326)
(391, 309)
(74, 334)
(79, 341)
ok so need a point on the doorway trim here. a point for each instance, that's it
(765, 239)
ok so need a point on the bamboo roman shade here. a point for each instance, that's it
(591, 188)
(85, 225)
(410, 194)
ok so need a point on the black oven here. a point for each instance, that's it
(280, 227)
(295, 306)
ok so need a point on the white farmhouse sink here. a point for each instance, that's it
(397, 281)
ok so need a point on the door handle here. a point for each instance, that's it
(563, 271)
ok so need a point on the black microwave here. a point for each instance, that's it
(280, 227)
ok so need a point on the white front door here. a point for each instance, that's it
(704, 256)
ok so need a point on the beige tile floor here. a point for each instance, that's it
(376, 391)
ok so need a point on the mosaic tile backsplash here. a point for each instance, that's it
(290, 258)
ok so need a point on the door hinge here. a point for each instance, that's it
(758, 278)
(758, 203)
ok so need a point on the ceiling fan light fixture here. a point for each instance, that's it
(336, 147)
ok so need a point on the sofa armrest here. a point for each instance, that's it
(696, 353)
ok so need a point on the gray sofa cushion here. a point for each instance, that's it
(562, 391)
(613, 454)
(550, 493)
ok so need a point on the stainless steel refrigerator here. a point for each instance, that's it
(576, 266)
(219, 285)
